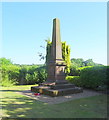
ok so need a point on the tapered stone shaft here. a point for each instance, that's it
(56, 49)
(56, 85)
(56, 65)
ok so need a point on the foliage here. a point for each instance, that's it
(12, 74)
(6, 82)
(78, 64)
(48, 50)
(74, 71)
(9, 74)
(32, 74)
(90, 76)
(42, 74)
(65, 54)
(89, 62)
(31, 78)
(75, 80)
(94, 76)
(4, 61)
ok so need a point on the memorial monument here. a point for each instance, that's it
(56, 85)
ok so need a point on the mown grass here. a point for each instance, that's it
(15, 105)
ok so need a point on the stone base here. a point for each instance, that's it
(55, 91)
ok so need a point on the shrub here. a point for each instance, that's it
(31, 78)
(93, 77)
(4, 61)
(74, 79)
(32, 74)
(74, 71)
(22, 75)
(13, 72)
(9, 75)
(42, 74)
(4, 81)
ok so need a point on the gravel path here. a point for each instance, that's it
(59, 99)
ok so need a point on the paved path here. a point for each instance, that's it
(59, 99)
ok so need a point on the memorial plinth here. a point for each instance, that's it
(56, 85)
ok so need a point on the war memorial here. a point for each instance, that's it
(56, 85)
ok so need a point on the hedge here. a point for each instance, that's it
(94, 77)
(22, 74)
(74, 80)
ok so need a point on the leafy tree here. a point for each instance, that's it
(9, 74)
(79, 62)
(4, 61)
(89, 62)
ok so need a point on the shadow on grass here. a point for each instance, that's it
(19, 106)
(10, 90)
(23, 107)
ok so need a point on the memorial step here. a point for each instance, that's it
(61, 82)
(54, 93)
(62, 86)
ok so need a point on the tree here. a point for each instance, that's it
(4, 61)
(79, 62)
(89, 62)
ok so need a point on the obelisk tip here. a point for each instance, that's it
(56, 19)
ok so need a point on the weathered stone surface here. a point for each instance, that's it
(62, 86)
(56, 50)
(57, 92)
(56, 65)
(56, 85)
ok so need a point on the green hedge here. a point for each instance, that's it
(74, 79)
(94, 77)
(22, 74)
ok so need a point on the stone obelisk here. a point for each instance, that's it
(56, 50)
(56, 65)
(56, 85)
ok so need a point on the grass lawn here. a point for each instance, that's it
(15, 105)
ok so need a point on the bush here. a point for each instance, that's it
(42, 74)
(9, 75)
(74, 79)
(32, 74)
(74, 71)
(6, 82)
(93, 77)
(22, 74)
(32, 78)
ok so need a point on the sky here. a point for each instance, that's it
(26, 26)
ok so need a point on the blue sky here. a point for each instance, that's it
(26, 25)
